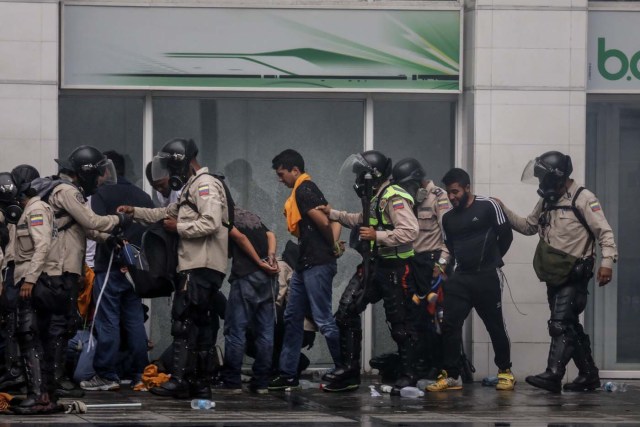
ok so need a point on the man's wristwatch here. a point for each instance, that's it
(442, 261)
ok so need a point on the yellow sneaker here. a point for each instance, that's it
(444, 383)
(506, 380)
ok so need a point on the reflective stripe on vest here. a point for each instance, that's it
(402, 251)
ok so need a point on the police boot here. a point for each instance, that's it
(13, 377)
(388, 365)
(37, 400)
(588, 378)
(559, 355)
(407, 376)
(347, 376)
(177, 386)
(64, 387)
(199, 386)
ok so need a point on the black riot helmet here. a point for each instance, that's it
(173, 161)
(408, 174)
(9, 194)
(91, 167)
(550, 171)
(378, 165)
(22, 176)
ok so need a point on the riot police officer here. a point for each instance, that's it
(35, 268)
(201, 219)
(391, 230)
(569, 219)
(14, 374)
(432, 257)
(81, 173)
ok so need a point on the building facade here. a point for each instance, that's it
(485, 85)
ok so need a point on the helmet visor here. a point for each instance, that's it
(355, 163)
(106, 173)
(534, 172)
(160, 166)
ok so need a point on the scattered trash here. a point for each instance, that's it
(489, 381)
(202, 404)
(385, 388)
(374, 392)
(413, 392)
(614, 387)
(422, 384)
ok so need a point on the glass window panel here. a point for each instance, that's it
(107, 123)
(423, 130)
(239, 137)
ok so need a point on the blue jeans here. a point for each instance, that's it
(309, 291)
(120, 308)
(250, 304)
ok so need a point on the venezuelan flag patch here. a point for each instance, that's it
(397, 204)
(443, 204)
(595, 206)
(36, 220)
(203, 190)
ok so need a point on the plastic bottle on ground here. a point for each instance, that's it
(385, 388)
(306, 384)
(374, 392)
(614, 387)
(202, 404)
(411, 392)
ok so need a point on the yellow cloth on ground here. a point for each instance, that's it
(151, 378)
(291, 211)
(5, 401)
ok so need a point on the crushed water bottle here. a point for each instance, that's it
(422, 384)
(385, 388)
(202, 404)
(306, 384)
(614, 387)
(411, 392)
(374, 392)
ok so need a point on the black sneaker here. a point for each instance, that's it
(258, 389)
(283, 383)
(222, 388)
(343, 384)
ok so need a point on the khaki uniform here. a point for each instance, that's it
(404, 221)
(33, 236)
(565, 232)
(429, 214)
(71, 243)
(203, 235)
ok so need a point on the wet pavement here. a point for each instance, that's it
(475, 405)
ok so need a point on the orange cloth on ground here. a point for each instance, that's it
(152, 378)
(84, 298)
(291, 210)
(5, 401)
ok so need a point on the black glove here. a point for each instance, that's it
(114, 241)
(124, 220)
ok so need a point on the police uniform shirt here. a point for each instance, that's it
(429, 214)
(396, 210)
(564, 231)
(203, 235)
(33, 237)
(72, 242)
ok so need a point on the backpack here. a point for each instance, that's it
(44, 187)
(153, 266)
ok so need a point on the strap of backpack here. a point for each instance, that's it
(230, 204)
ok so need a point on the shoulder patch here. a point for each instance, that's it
(444, 204)
(36, 220)
(203, 190)
(397, 203)
(595, 206)
(438, 191)
(80, 198)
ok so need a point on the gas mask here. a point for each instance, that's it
(173, 166)
(550, 171)
(9, 206)
(12, 212)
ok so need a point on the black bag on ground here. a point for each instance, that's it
(153, 269)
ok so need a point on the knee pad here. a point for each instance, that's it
(399, 334)
(180, 328)
(556, 328)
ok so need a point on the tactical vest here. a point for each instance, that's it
(378, 221)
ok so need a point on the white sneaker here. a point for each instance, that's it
(99, 384)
